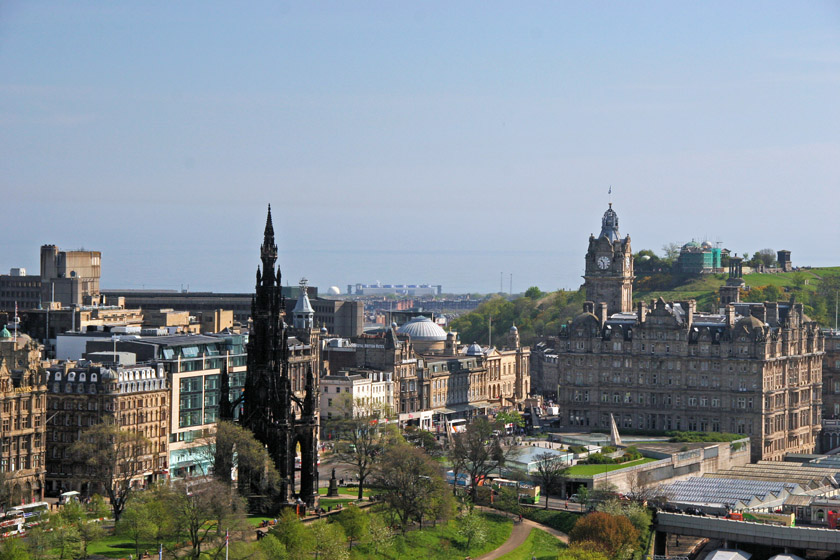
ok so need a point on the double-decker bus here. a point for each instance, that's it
(11, 524)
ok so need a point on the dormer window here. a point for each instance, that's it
(82, 377)
(58, 376)
(71, 376)
(93, 378)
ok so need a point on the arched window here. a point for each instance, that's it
(93, 378)
(58, 376)
(71, 376)
(82, 377)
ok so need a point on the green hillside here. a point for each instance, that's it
(540, 314)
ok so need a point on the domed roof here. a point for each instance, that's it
(691, 245)
(5, 333)
(609, 225)
(423, 329)
(583, 317)
(513, 328)
(749, 323)
(474, 350)
(706, 245)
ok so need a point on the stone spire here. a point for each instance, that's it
(268, 252)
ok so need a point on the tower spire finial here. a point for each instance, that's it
(268, 250)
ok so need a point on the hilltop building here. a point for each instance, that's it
(753, 369)
(699, 258)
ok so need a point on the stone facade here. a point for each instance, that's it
(82, 395)
(755, 369)
(830, 438)
(609, 267)
(22, 417)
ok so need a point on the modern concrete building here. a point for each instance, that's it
(70, 277)
(18, 288)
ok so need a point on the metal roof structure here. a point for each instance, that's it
(808, 478)
(731, 493)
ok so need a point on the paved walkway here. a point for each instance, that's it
(518, 535)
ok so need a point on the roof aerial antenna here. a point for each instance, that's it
(609, 192)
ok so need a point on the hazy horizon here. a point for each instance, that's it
(412, 143)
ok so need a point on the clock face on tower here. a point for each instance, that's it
(603, 262)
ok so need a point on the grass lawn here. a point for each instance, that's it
(590, 470)
(539, 545)
(560, 520)
(256, 520)
(332, 502)
(120, 547)
(439, 543)
(349, 490)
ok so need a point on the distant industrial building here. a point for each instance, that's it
(70, 277)
(395, 289)
(16, 288)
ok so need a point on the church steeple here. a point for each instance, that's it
(268, 252)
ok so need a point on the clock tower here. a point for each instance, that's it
(608, 275)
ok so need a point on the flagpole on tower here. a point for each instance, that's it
(609, 192)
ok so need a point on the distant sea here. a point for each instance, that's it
(458, 271)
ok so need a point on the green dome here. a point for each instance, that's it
(5, 333)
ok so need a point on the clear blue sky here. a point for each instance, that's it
(413, 142)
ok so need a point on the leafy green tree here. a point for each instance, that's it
(74, 514)
(64, 537)
(114, 459)
(14, 549)
(202, 511)
(38, 542)
(476, 452)
(611, 535)
(271, 548)
(234, 449)
(328, 541)
(135, 523)
(355, 523)
(97, 507)
(362, 437)
(671, 251)
(581, 551)
(380, 537)
(297, 539)
(533, 293)
(408, 477)
(551, 473)
(635, 512)
(473, 527)
(507, 499)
